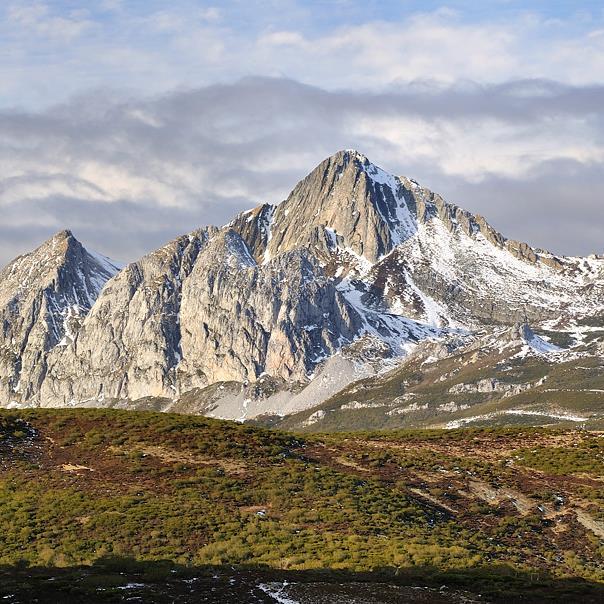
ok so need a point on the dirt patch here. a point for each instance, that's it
(495, 496)
(259, 510)
(349, 463)
(595, 526)
(433, 500)
(70, 467)
(165, 454)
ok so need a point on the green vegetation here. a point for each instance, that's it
(11, 427)
(79, 487)
(586, 456)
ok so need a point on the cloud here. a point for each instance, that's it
(434, 46)
(37, 19)
(51, 52)
(127, 174)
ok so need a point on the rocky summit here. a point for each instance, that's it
(362, 300)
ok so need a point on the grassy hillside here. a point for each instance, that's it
(424, 393)
(88, 494)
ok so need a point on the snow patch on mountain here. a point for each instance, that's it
(553, 415)
(399, 332)
(538, 344)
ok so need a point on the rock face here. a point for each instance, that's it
(44, 296)
(339, 199)
(129, 344)
(199, 311)
(240, 320)
(354, 262)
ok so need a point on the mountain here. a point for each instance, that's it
(416, 253)
(196, 312)
(44, 296)
(358, 280)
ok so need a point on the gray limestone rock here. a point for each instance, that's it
(199, 311)
(128, 346)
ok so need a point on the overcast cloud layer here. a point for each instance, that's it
(192, 120)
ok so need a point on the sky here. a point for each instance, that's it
(133, 121)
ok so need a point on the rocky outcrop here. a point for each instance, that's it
(491, 385)
(254, 227)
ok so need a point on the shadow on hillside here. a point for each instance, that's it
(117, 579)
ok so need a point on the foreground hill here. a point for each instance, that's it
(101, 506)
(356, 276)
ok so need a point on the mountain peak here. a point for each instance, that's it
(352, 154)
(63, 249)
(346, 157)
(62, 238)
(43, 297)
(54, 250)
(347, 195)
(349, 203)
(64, 234)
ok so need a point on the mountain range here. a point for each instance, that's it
(363, 300)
